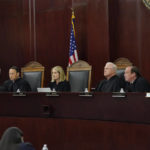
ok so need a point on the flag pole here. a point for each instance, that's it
(73, 55)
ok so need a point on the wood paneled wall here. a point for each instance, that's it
(68, 134)
(129, 33)
(105, 30)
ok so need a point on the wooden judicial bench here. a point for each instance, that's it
(74, 121)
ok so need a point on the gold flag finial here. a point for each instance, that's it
(73, 16)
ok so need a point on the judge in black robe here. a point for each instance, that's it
(112, 81)
(134, 81)
(58, 80)
(15, 83)
(110, 85)
(61, 86)
(12, 139)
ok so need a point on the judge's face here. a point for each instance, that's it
(55, 75)
(129, 76)
(13, 74)
(108, 70)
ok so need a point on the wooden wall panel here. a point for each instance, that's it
(66, 134)
(129, 34)
(98, 37)
(52, 28)
(124, 30)
(11, 37)
(144, 35)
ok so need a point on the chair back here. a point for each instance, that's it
(33, 72)
(121, 64)
(79, 76)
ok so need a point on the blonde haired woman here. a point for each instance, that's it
(58, 80)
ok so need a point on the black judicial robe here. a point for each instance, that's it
(139, 85)
(111, 85)
(26, 146)
(12, 86)
(60, 87)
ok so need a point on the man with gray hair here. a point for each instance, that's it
(112, 81)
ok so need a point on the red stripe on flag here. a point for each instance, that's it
(70, 61)
(74, 57)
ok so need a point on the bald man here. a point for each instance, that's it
(112, 81)
(135, 82)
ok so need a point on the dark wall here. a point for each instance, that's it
(67, 134)
(129, 32)
(105, 30)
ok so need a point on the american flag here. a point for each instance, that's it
(73, 55)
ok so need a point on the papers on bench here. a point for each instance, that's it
(44, 90)
(48, 91)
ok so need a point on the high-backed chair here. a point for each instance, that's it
(121, 64)
(33, 72)
(79, 76)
